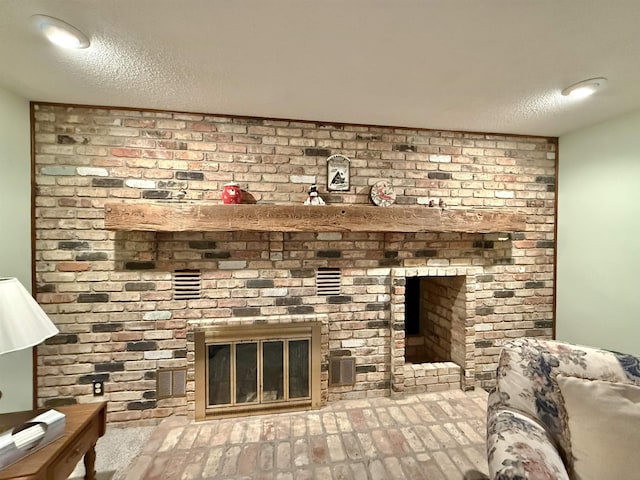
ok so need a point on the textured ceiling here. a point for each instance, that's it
(490, 65)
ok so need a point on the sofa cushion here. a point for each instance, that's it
(603, 422)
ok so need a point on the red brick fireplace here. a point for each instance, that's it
(129, 307)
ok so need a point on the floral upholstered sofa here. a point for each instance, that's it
(562, 411)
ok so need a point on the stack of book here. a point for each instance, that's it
(30, 436)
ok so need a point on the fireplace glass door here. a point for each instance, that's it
(298, 369)
(258, 372)
(247, 368)
(246, 361)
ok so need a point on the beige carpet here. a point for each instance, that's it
(115, 451)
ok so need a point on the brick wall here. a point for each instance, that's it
(110, 293)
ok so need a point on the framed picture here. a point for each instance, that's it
(338, 173)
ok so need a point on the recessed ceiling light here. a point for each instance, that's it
(60, 33)
(584, 88)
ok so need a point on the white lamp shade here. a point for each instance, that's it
(23, 323)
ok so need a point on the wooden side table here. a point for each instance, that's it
(85, 423)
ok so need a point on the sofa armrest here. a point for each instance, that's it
(519, 448)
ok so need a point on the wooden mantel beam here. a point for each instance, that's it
(203, 217)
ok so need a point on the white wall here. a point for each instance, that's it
(598, 276)
(16, 377)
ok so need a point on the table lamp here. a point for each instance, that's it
(23, 323)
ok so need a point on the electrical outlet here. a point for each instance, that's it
(98, 388)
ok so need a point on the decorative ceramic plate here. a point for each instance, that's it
(382, 193)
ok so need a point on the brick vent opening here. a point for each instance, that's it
(328, 281)
(171, 383)
(342, 371)
(187, 285)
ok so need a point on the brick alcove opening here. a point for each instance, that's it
(433, 318)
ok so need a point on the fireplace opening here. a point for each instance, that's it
(256, 368)
(412, 307)
(435, 313)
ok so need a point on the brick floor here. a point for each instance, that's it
(429, 436)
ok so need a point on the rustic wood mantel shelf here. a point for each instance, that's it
(206, 217)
